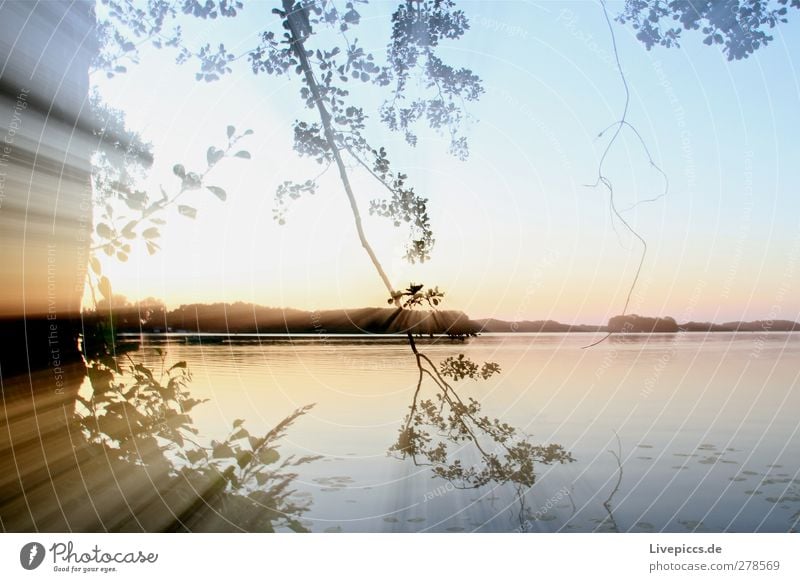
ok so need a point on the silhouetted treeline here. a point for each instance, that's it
(539, 326)
(242, 317)
(151, 316)
(640, 324)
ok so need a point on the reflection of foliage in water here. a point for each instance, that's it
(137, 419)
(435, 426)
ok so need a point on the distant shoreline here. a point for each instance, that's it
(247, 318)
(401, 336)
(633, 323)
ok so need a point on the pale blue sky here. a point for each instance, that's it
(519, 236)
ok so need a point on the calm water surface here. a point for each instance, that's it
(674, 432)
(705, 427)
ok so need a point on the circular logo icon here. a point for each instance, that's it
(31, 555)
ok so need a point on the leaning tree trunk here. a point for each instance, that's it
(298, 44)
(46, 49)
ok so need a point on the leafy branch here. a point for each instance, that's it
(416, 297)
(740, 26)
(114, 232)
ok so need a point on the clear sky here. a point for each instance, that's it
(519, 235)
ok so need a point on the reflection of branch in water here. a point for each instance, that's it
(523, 509)
(431, 426)
(572, 501)
(138, 424)
(607, 503)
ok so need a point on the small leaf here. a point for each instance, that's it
(187, 211)
(104, 230)
(242, 154)
(238, 422)
(179, 170)
(239, 434)
(231, 131)
(222, 451)
(248, 132)
(104, 286)
(95, 264)
(195, 455)
(268, 456)
(218, 192)
(191, 181)
(351, 16)
(213, 155)
(122, 256)
(244, 459)
(128, 232)
(151, 233)
(231, 477)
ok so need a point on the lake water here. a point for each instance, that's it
(673, 432)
